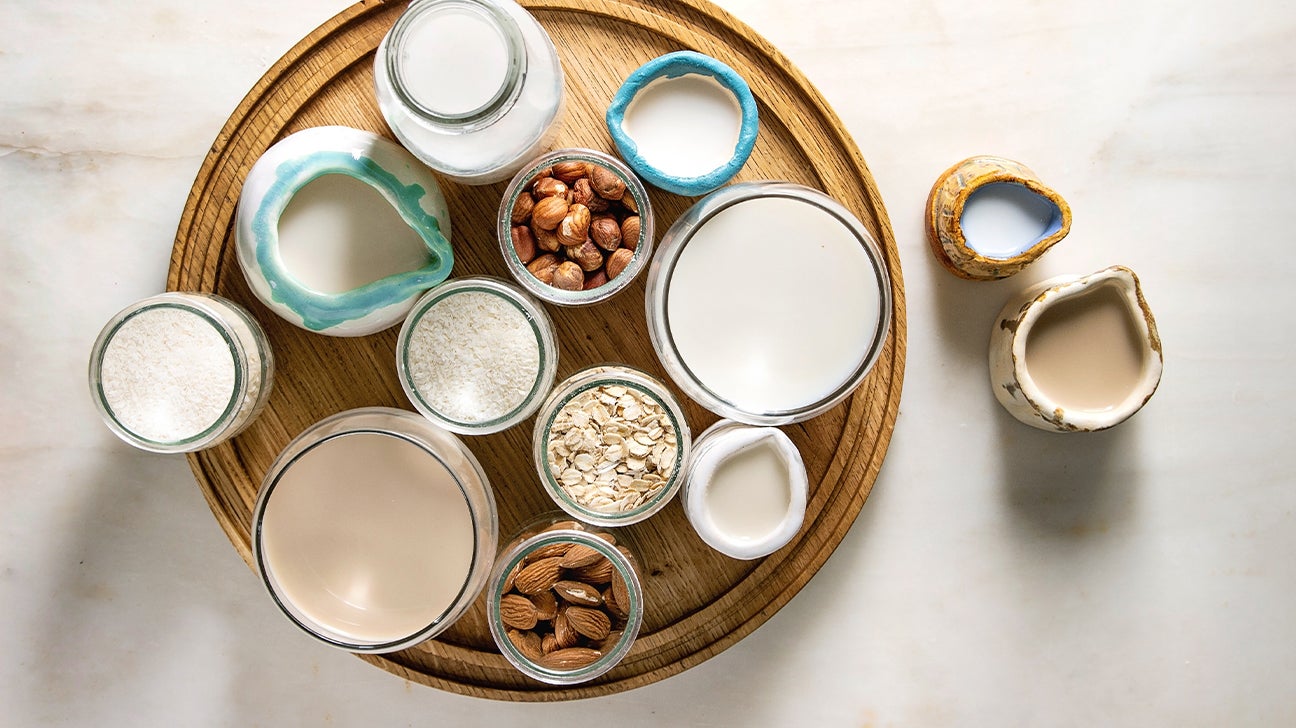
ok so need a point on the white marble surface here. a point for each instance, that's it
(997, 575)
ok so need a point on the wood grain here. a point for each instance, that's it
(699, 602)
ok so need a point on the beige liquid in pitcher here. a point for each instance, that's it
(369, 536)
(749, 493)
(1085, 353)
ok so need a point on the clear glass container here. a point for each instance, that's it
(493, 417)
(541, 166)
(158, 372)
(342, 535)
(610, 442)
(763, 278)
(503, 99)
(549, 534)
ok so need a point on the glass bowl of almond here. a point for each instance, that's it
(575, 227)
(564, 601)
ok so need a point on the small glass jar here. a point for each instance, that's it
(498, 86)
(784, 268)
(180, 372)
(479, 374)
(642, 246)
(552, 534)
(367, 522)
(646, 452)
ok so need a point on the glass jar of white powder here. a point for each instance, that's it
(180, 372)
(477, 355)
(473, 88)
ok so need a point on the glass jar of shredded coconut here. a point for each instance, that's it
(180, 372)
(477, 355)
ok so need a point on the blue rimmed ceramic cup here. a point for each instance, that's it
(402, 182)
(685, 122)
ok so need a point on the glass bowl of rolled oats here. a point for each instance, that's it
(611, 445)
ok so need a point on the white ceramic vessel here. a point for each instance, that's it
(296, 161)
(1019, 391)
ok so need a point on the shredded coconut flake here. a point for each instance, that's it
(473, 357)
(167, 374)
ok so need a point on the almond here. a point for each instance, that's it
(548, 643)
(547, 551)
(630, 232)
(610, 604)
(546, 605)
(538, 576)
(574, 592)
(592, 623)
(508, 580)
(599, 572)
(563, 632)
(610, 641)
(564, 526)
(571, 658)
(528, 643)
(620, 592)
(517, 611)
(580, 555)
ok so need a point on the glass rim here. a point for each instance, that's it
(503, 99)
(264, 571)
(514, 556)
(677, 238)
(504, 228)
(611, 375)
(541, 326)
(190, 302)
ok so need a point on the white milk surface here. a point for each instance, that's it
(454, 61)
(749, 493)
(338, 233)
(1001, 220)
(686, 126)
(773, 304)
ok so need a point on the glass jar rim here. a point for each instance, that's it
(642, 252)
(546, 344)
(678, 237)
(611, 375)
(193, 303)
(498, 104)
(291, 455)
(624, 568)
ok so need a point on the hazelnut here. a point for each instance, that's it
(549, 212)
(524, 243)
(630, 232)
(544, 267)
(546, 240)
(568, 276)
(617, 262)
(607, 184)
(548, 187)
(595, 279)
(569, 172)
(574, 228)
(605, 232)
(522, 208)
(587, 256)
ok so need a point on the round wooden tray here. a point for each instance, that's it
(699, 602)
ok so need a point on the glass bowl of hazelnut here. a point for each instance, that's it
(575, 227)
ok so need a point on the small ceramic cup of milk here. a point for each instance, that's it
(685, 122)
(768, 302)
(374, 530)
(180, 372)
(1076, 353)
(746, 489)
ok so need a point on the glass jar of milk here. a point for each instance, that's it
(472, 87)
(374, 530)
